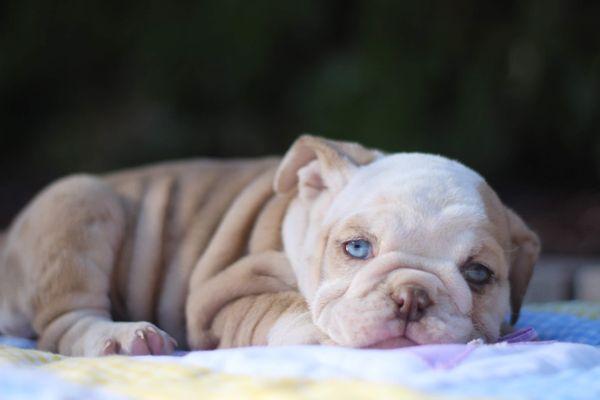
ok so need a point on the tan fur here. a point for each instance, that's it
(148, 237)
(95, 264)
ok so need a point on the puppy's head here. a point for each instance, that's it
(401, 249)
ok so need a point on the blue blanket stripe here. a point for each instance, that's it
(561, 327)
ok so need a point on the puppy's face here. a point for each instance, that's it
(401, 249)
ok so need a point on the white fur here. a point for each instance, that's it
(426, 216)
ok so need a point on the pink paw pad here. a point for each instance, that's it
(149, 341)
(146, 341)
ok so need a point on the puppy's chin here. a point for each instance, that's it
(393, 343)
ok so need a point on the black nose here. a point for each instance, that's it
(412, 302)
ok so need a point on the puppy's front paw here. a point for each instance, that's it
(136, 339)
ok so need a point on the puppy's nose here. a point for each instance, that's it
(412, 302)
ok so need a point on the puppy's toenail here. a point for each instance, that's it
(151, 329)
(140, 334)
(107, 344)
(173, 341)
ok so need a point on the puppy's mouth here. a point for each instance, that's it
(393, 343)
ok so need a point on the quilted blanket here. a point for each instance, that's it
(513, 369)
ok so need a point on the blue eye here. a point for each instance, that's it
(359, 248)
(477, 274)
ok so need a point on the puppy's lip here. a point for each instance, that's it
(393, 343)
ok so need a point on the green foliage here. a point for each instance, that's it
(511, 88)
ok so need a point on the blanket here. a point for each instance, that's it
(512, 369)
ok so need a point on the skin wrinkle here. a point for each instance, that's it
(393, 261)
(124, 256)
(317, 272)
(147, 254)
(335, 302)
(318, 305)
(284, 312)
(389, 319)
(233, 326)
(387, 269)
(199, 205)
(236, 233)
(266, 234)
(257, 321)
(65, 337)
(238, 335)
(166, 245)
(321, 268)
(192, 243)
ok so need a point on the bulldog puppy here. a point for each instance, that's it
(333, 244)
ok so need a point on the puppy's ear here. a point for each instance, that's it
(315, 164)
(526, 249)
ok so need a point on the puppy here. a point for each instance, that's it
(333, 244)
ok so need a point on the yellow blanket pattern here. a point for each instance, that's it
(157, 379)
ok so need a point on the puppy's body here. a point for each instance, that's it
(144, 237)
(212, 255)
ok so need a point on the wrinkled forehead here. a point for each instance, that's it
(425, 184)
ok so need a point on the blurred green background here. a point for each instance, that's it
(510, 88)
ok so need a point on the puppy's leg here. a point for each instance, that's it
(63, 249)
(252, 302)
(258, 273)
(273, 319)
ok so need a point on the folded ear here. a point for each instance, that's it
(313, 164)
(526, 249)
